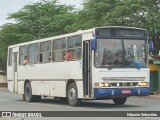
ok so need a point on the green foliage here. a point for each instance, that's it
(35, 21)
(45, 18)
(134, 13)
(48, 18)
(94, 12)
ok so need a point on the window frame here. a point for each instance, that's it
(22, 55)
(59, 50)
(45, 52)
(75, 47)
(33, 53)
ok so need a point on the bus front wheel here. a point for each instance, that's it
(119, 101)
(72, 94)
(28, 97)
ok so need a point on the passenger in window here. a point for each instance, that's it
(69, 55)
(25, 61)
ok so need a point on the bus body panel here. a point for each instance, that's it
(47, 80)
(21, 86)
(12, 74)
(118, 92)
(120, 76)
(50, 79)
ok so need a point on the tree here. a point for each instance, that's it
(45, 18)
(134, 13)
(35, 21)
(93, 13)
(48, 18)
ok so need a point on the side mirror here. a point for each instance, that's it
(94, 44)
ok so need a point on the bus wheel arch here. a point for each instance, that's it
(28, 97)
(68, 83)
(72, 93)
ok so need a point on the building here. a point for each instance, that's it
(3, 80)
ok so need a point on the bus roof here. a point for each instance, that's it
(122, 27)
(79, 32)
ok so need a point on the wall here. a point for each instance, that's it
(3, 79)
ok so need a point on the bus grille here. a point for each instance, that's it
(124, 84)
(123, 81)
(116, 79)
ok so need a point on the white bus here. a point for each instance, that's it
(106, 63)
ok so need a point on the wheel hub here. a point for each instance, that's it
(27, 91)
(72, 94)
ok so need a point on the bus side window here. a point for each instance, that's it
(10, 57)
(45, 52)
(23, 52)
(78, 46)
(74, 45)
(59, 50)
(55, 50)
(62, 49)
(33, 53)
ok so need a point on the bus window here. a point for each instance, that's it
(59, 49)
(62, 48)
(135, 50)
(74, 47)
(63, 44)
(70, 43)
(23, 53)
(78, 45)
(45, 52)
(109, 53)
(33, 53)
(10, 57)
(78, 41)
(77, 53)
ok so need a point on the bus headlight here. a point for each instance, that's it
(142, 84)
(104, 85)
(101, 85)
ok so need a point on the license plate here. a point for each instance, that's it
(126, 91)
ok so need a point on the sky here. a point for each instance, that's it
(11, 6)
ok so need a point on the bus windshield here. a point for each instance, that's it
(120, 53)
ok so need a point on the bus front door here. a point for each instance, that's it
(87, 83)
(15, 75)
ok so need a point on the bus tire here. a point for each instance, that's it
(28, 94)
(119, 101)
(72, 94)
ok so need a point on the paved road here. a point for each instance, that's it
(13, 102)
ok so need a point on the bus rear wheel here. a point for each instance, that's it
(28, 97)
(119, 101)
(72, 94)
